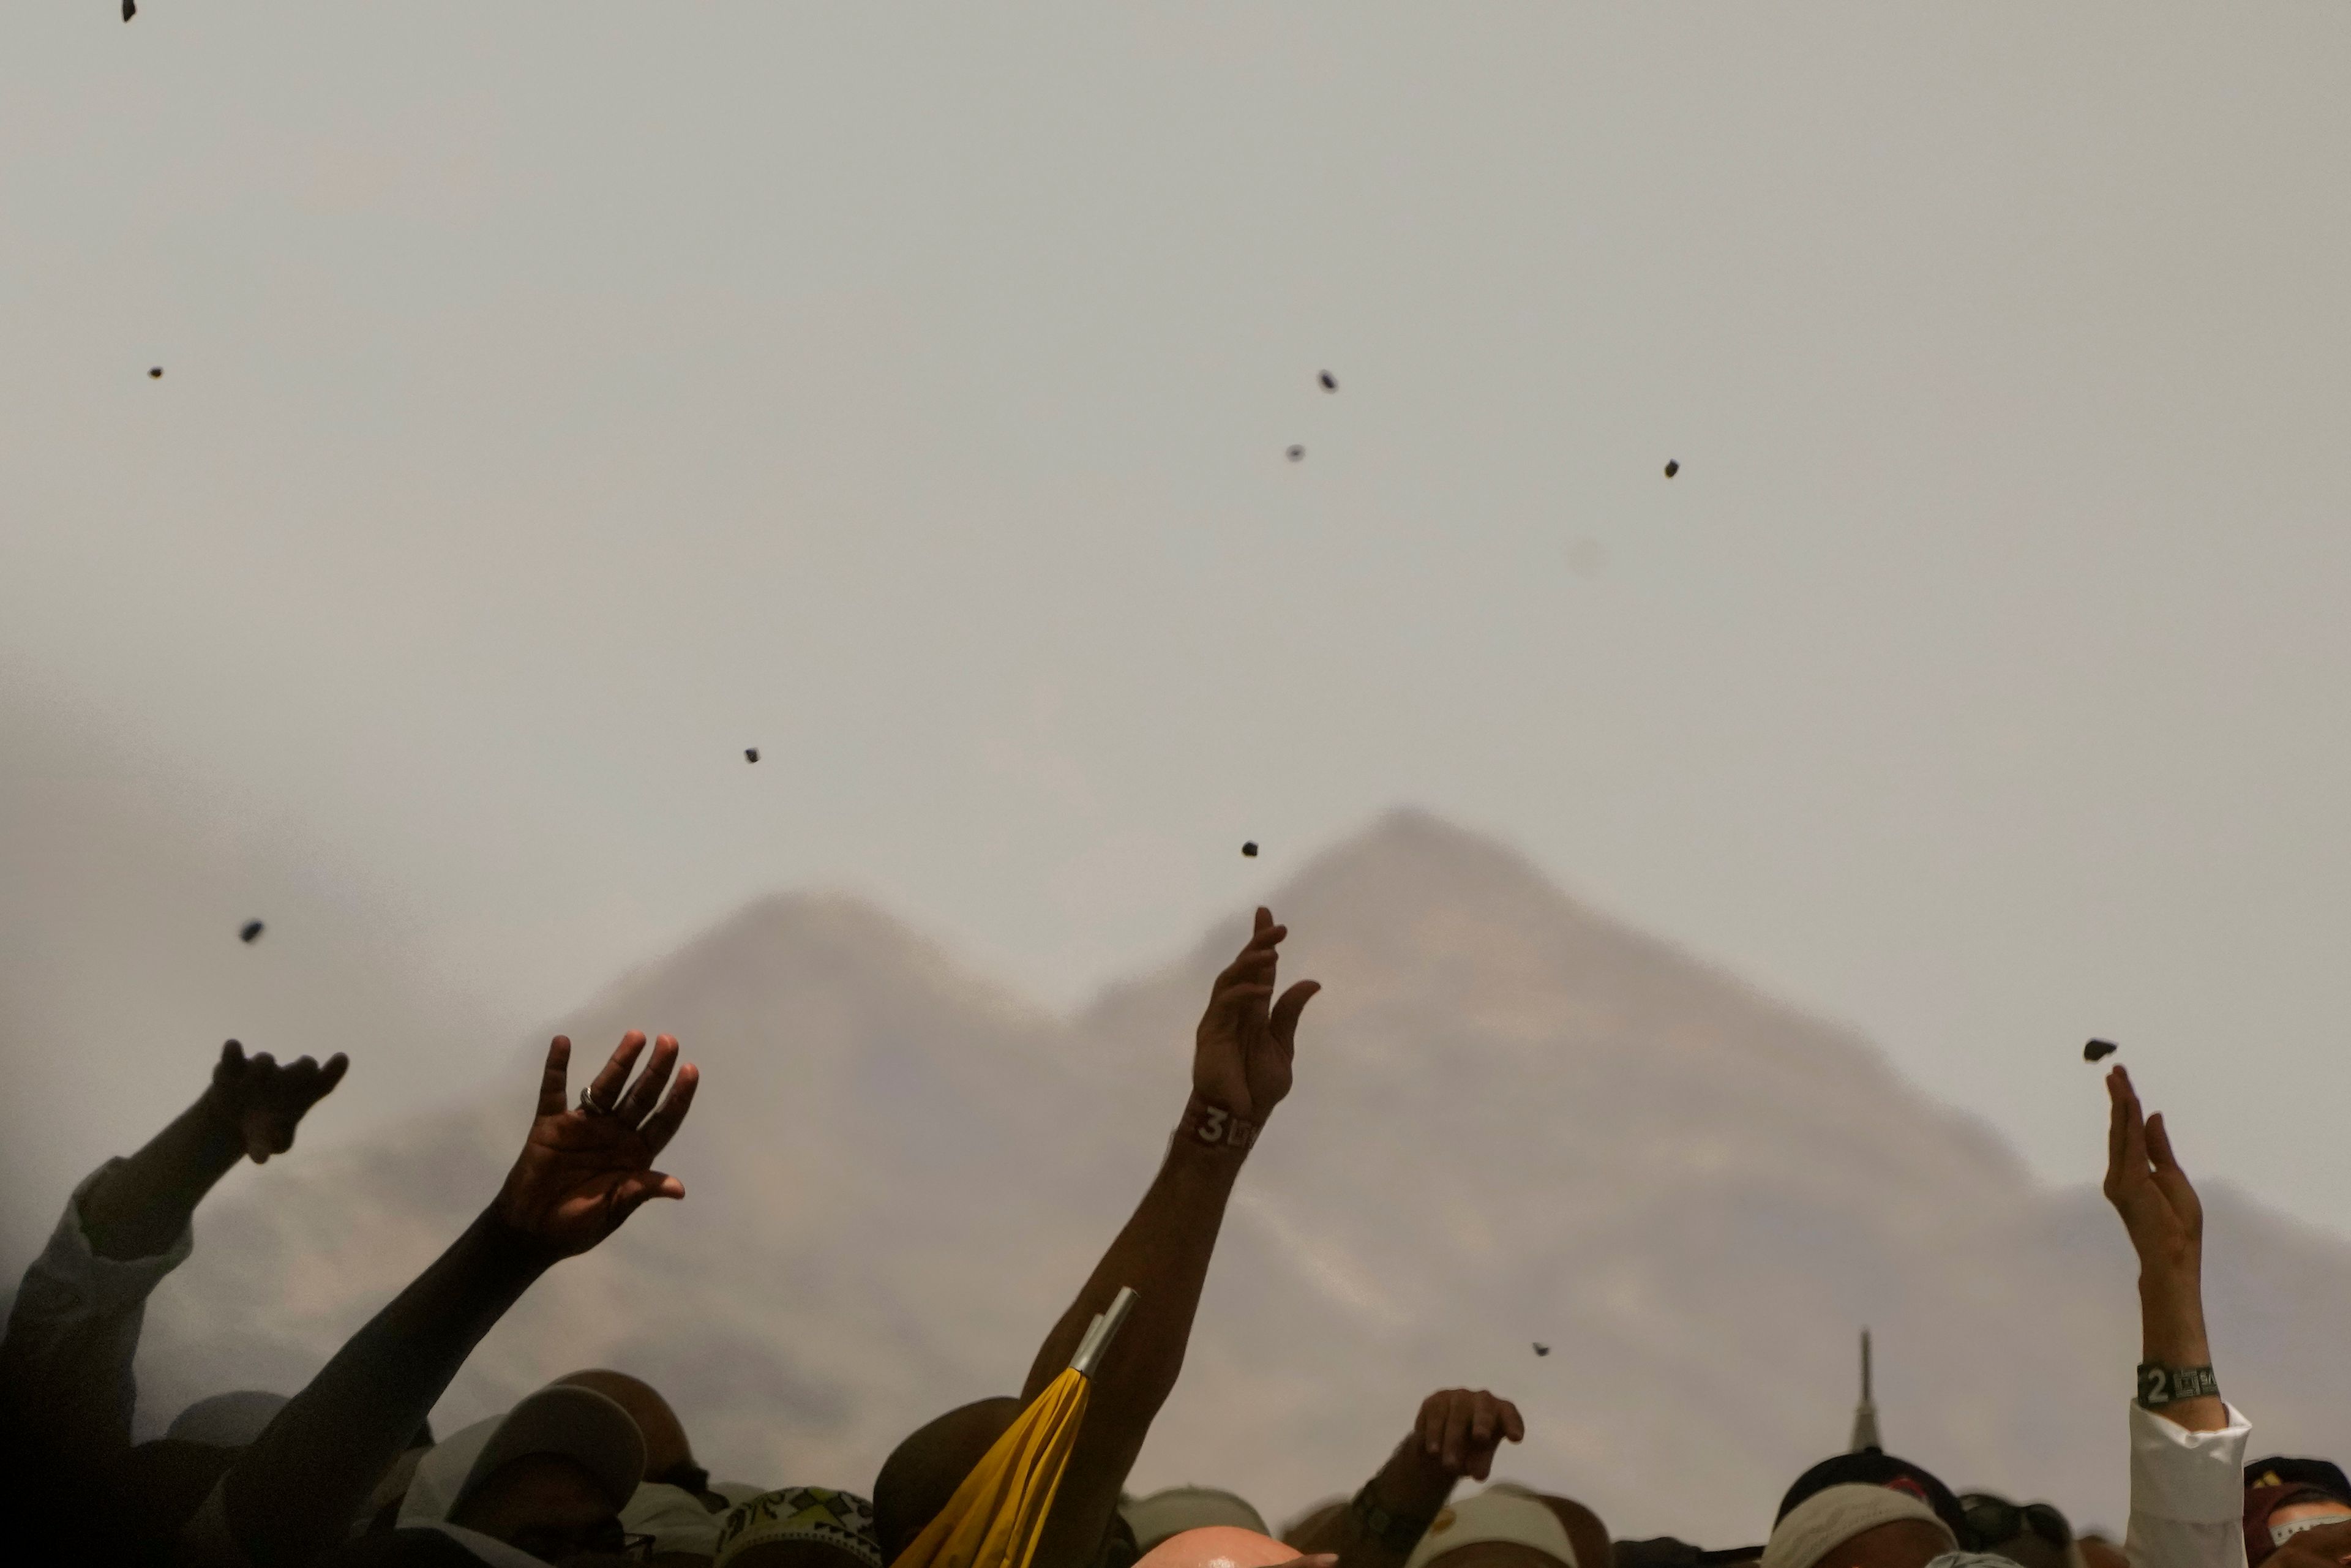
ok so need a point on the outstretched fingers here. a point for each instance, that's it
(554, 1078)
(636, 1104)
(2126, 1134)
(664, 1124)
(604, 1089)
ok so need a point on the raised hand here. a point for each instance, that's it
(1241, 1053)
(587, 1167)
(2159, 1209)
(2149, 1189)
(261, 1102)
(1459, 1428)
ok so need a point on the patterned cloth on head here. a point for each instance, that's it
(837, 1518)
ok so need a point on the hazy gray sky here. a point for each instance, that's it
(560, 398)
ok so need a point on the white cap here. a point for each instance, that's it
(1834, 1515)
(1177, 1509)
(578, 1423)
(1499, 1513)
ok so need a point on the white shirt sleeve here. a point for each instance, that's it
(2188, 1493)
(72, 1335)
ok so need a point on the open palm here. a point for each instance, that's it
(586, 1168)
(1247, 1040)
(2144, 1182)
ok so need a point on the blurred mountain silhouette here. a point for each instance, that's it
(1515, 1120)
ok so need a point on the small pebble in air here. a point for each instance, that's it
(1330, 381)
(156, 373)
(750, 753)
(1296, 453)
(1543, 1349)
(1249, 849)
(2097, 1050)
(252, 932)
(1672, 467)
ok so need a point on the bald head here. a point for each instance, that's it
(920, 1477)
(665, 1445)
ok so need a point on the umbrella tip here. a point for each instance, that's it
(1101, 1332)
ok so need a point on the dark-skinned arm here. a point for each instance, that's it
(581, 1173)
(1241, 1071)
(1454, 1434)
(66, 1360)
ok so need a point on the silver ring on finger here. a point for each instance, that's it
(588, 1106)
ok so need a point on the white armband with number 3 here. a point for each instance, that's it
(1216, 1127)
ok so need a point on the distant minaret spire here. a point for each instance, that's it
(1864, 1415)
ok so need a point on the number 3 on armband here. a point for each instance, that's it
(1212, 1124)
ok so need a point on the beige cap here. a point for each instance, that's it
(1499, 1513)
(579, 1424)
(1178, 1508)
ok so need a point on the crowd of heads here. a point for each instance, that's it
(597, 1467)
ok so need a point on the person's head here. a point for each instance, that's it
(2276, 1515)
(548, 1476)
(1502, 1527)
(1585, 1532)
(2286, 1497)
(1218, 1546)
(548, 1505)
(800, 1527)
(1859, 1524)
(1175, 1509)
(1872, 1467)
(920, 1477)
(669, 1457)
(2034, 1535)
(1655, 1552)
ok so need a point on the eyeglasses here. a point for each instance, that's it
(1993, 1520)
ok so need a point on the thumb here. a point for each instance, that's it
(643, 1187)
(2173, 1182)
(1283, 1026)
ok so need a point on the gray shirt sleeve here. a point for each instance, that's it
(72, 1333)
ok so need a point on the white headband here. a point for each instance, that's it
(1834, 1515)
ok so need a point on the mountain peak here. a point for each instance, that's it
(1515, 1119)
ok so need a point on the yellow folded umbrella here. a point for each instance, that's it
(996, 1516)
